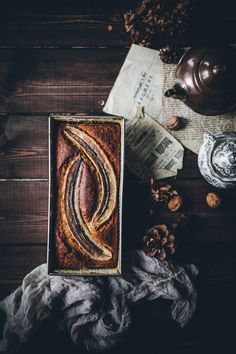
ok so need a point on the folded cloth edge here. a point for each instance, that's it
(95, 310)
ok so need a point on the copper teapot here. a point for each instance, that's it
(206, 79)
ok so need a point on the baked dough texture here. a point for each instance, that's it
(88, 166)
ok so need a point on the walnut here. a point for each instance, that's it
(174, 123)
(213, 200)
(175, 203)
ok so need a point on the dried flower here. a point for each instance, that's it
(170, 54)
(159, 242)
(157, 17)
(165, 193)
(213, 200)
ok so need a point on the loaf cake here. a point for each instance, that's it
(88, 177)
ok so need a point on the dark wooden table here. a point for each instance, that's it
(64, 57)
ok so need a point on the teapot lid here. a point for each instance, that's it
(215, 69)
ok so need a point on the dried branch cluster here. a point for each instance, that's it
(152, 17)
(165, 193)
(170, 54)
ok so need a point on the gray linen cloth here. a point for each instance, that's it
(95, 310)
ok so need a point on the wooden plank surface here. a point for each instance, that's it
(63, 7)
(26, 153)
(23, 212)
(95, 30)
(13, 262)
(96, 24)
(57, 30)
(60, 80)
(75, 75)
(206, 256)
(6, 288)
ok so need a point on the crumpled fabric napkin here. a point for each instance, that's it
(95, 310)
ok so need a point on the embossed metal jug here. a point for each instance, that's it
(217, 159)
(206, 79)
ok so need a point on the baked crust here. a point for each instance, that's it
(88, 167)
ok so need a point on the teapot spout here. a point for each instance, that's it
(172, 93)
(177, 92)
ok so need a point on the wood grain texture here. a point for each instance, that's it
(220, 255)
(61, 30)
(67, 7)
(26, 153)
(23, 213)
(6, 287)
(86, 24)
(33, 80)
(13, 260)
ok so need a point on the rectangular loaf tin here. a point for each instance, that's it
(54, 120)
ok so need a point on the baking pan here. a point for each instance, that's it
(86, 164)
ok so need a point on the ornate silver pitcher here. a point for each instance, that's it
(217, 159)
